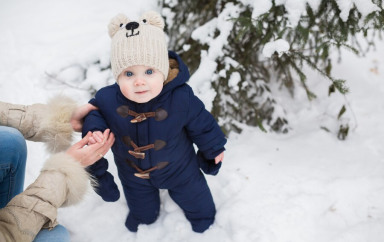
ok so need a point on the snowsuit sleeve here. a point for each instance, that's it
(205, 133)
(106, 186)
(94, 121)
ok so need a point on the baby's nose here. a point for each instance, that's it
(139, 81)
(132, 26)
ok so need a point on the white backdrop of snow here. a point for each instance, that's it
(295, 9)
(280, 46)
(201, 79)
(303, 186)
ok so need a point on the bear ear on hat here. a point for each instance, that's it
(153, 18)
(116, 23)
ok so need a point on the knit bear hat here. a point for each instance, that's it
(138, 43)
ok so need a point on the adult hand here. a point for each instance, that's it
(91, 153)
(79, 114)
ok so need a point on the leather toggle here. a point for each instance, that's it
(159, 115)
(144, 174)
(139, 118)
(137, 151)
(137, 155)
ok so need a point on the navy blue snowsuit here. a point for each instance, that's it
(154, 150)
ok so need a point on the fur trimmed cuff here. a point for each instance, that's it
(59, 130)
(76, 177)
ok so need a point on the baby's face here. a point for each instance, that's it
(141, 83)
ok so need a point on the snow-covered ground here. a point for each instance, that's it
(304, 186)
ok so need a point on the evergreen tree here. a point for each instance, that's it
(248, 98)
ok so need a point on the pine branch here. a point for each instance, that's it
(338, 83)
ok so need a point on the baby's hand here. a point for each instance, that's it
(97, 137)
(219, 158)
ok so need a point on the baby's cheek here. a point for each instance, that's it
(124, 90)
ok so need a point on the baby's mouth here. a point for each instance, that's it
(141, 92)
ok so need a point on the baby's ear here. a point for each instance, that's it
(153, 18)
(116, 23)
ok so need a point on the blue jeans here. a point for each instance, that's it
(13, 156)
(57, 234)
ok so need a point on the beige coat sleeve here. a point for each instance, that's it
(48, 123)
(62, 182)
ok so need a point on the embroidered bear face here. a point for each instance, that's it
(123, 25)
(139, 42)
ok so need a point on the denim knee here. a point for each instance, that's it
(12, 140)
(57, 234)
(13, 155)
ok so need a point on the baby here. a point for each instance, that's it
(156, 119)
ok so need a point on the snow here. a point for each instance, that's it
(297, 8)
(202, 78)
(365, 7)
(280, 46)
(259, 6)
(234, 80)
(304, 186)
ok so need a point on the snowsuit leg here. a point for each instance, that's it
(195, 198)
(143, 203)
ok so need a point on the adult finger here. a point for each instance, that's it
(78, 114)
(98, 150)
(84, 141)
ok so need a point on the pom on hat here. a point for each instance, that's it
(154, 19)
(138, 43)
(116, 23)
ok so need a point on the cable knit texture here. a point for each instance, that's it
(138, 43)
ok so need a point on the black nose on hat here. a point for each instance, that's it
(132, 26)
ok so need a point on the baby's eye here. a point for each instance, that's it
(128, 73)
(149, 72)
